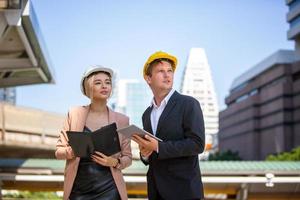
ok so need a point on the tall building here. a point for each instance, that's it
(8, 95)
(293, 18)
(262, 115)
(132, 98)
(197, 82)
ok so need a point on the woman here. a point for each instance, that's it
(98, 176)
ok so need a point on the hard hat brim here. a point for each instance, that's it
(160, 55)
(92, 70)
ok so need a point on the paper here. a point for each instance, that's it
(104, 140)
(133, 129)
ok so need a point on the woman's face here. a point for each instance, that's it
(100, 86)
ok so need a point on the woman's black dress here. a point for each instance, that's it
(93, 182)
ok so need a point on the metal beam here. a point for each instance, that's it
(8, 82)
(3, 24)
(13, 64)
(26, 43)
(142, 179)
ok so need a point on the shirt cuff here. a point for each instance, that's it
(145, 158)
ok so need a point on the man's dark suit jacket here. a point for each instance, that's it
(174, 171)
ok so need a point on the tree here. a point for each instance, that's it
(31, 195)
(293, 155)
(226, 155)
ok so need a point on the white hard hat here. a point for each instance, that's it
(90, 70)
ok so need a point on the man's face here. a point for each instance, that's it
(162, 76)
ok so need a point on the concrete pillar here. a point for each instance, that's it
(297, 47)
(243, 192)
(0, 190)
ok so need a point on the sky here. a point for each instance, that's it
(236, 35)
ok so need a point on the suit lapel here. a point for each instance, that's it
(147, 124)
(165, 113)
(81, 117)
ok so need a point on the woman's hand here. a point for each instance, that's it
(104, 160)
(70, 153)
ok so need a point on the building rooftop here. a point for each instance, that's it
(279, 57)
(137, 167)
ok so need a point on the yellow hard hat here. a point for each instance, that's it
(160, 55)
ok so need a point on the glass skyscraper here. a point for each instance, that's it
(8, 95)
(133, 97)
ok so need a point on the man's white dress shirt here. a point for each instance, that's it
(157, 110)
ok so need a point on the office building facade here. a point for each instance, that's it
(262, 117)
(8, 95)
(263, 108)
(132, 98)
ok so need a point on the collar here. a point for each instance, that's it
(165, 100)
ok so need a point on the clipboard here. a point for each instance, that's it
(105, 140)
(133, 129)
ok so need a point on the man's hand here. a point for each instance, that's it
(104, 160)
(146, 145)
(145, 152)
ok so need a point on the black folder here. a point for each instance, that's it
(104, 140)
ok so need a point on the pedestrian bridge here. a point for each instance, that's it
(27, 132)
(31, 133)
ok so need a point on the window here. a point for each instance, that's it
(241, 98)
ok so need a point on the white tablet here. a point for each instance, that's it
(133, 129)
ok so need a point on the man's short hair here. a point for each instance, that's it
(156, 62)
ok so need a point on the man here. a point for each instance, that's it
(177, 119)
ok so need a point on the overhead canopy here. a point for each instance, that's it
(275, 180)
(23, 56)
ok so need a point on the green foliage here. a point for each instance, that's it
(293, 155)
(31, 195)
(227, 155)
